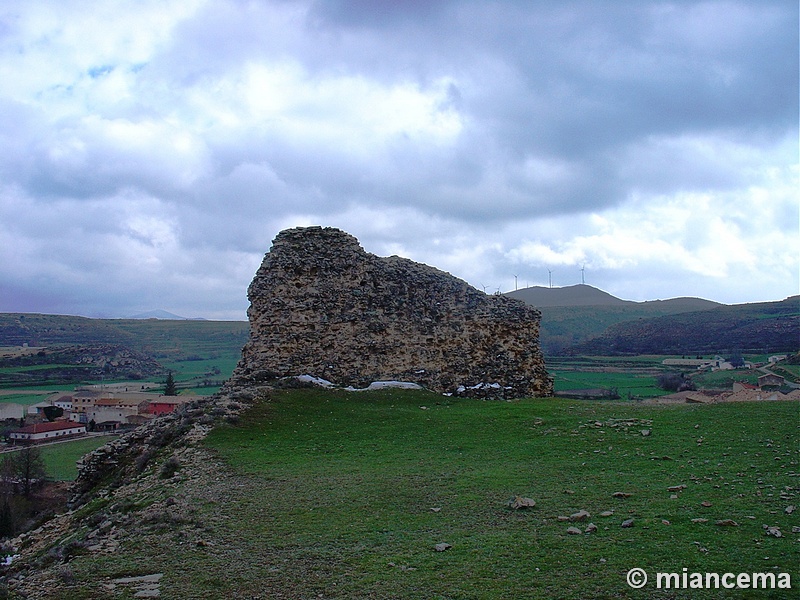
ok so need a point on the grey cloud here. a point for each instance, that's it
(566, 108)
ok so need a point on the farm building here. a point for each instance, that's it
(63, 402)
(45, 432)
(738, 386)
(166, 404)
(113, 410)
(10, 410)
(771, 380)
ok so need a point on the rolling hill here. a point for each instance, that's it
(575, 314)
(157, 337)
(763, 327)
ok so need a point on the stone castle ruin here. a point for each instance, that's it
(322, 306)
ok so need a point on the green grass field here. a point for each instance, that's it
(23, 398)
(60, 459)
(349, 494)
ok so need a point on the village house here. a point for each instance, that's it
(38, 408)
(166, 404)
(771, 380)
(46, 432)
(111, 413)
(64, 403)
(83, 399)
(10, 410)
(108, 409)
(717, 363)
(738, 386)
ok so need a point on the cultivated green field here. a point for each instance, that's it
(59, 459)
(348, 494)
(631, 377)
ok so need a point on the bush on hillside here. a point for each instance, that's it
(675, 382)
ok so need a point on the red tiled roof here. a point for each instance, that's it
(46, 427)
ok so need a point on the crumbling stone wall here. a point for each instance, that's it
(321, 305)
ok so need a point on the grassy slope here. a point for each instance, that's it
(191, 349)
(753, 328)
(342, 486)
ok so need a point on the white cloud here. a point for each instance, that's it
(155, 144)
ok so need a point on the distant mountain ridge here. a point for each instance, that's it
(586, 295)
(580, 319)
(164, 315)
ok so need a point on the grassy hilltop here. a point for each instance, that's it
(331, 494)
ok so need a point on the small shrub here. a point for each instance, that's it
(143, 459)
(170, 467)
(66, 575)
(675, 382)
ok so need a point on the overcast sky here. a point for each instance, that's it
(151, 150)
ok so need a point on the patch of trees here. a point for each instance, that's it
(675, 382)
(22, 475)
(170, 389)
(753, 328)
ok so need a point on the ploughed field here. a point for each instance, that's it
(347, 495)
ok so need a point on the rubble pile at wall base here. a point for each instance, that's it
(322, 306)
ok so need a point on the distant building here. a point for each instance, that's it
(10, 410)
(713, 364)
(771, 380)
(753, 396)
(738, 386)
(113, 410)
(38, 408)
(63, 402)
(166, 404)
(45, 432)
(84, 399)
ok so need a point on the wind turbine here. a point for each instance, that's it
(550, 276)
(515, 283)
(583, 279)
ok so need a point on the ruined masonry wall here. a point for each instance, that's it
(321, 305)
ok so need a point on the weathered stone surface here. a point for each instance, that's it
(320, 305)
(519, 502)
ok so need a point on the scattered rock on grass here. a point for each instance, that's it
(573, 531)
(789, 509)
(442, 547)
(581, 515)
(627, 523)
(727, 523)
(606, 513)
(621, 495)
(591, 528)
(773, 531)
(519, 502)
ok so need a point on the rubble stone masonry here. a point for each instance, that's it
(320, 305)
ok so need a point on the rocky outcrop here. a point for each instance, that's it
(85, 362)
(321, 305)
